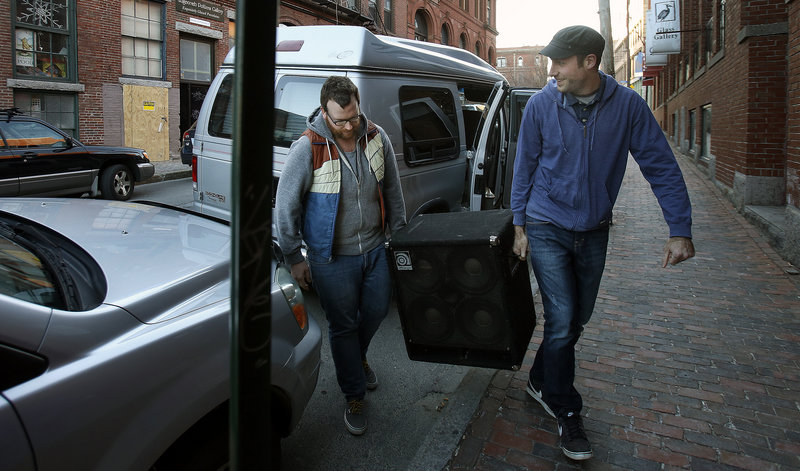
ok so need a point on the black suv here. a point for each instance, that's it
(37, 159)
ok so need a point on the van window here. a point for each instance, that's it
(429, 122)
(220, 122)
(297, 97)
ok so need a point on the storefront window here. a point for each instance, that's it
(42, 39)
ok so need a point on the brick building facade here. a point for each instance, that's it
(523, 66)
(468, 24)
(739, 68)
(115, 72)
(135, 72)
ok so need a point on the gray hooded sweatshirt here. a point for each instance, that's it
(358, 220)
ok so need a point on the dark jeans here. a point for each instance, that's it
(355, 292)
(568, 266)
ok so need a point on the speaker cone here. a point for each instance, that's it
(481, 321)
(431, 319)
(473, 271)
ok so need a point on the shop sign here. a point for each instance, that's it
(200, 8)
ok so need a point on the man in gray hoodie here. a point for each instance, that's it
(339, 193)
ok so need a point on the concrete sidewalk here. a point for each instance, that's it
(695, 366)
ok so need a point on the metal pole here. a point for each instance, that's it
(250, 426)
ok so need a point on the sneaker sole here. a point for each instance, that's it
(538, 396)
(577, 455)
(372, 386)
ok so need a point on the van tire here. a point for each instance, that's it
(117, 182)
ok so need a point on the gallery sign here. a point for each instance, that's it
(666, 36)
(650, 56)
(200, 8)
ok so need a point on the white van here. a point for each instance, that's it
(445, 110)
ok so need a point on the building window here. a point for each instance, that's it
(462, 41)
(721, 28)
(388, 15)
(196, 60)
(489, 12)
(420, 27)
(705, 138)
(501, 62)
(57, 109)
(692, 130)
(43, 39)
(674, 125)
(373, 9)
(354, 5)
(477, 9)
(445, 35)
(478, 48)
(142, 33)
(519, 61)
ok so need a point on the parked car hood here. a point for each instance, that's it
(150, 272)
(112, 149)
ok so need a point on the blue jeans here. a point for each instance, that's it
(355, 291)
(568, 266)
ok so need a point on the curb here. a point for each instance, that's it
(162, 177)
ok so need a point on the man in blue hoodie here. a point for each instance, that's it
(573, 148)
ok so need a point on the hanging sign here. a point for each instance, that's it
(667, 22)
(650, 57)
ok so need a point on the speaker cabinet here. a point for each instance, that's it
(462, 295)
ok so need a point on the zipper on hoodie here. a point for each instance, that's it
(343, 157)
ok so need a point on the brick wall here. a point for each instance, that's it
(99, 63)
(746, 85)
(793, 103)
(6, 64)
(530, 74)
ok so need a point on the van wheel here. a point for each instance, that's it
(117, 182)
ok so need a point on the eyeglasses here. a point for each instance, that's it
(341, 122)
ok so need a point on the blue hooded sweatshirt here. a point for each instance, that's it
(569, 173)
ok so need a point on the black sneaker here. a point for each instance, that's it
(354, 418)
(574, 443)
(372, 378)
(536, 393)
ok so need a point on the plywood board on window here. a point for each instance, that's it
(146, 118)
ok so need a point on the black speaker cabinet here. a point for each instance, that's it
(462, 296)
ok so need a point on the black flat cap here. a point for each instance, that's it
(574, 40)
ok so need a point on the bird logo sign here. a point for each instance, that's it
(665, 11)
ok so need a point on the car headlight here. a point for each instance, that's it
(294, 296)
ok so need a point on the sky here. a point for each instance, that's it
(534, 22)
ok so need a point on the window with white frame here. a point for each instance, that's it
(519, 61)
(501, 62)
(142, 38)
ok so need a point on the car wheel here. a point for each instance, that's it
(117, 182)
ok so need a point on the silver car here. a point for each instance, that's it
(114, 338)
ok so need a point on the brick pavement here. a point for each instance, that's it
(695, 366)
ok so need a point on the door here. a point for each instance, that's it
(516, 104)
(9, 179)
(48, 162)
(488, 163)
